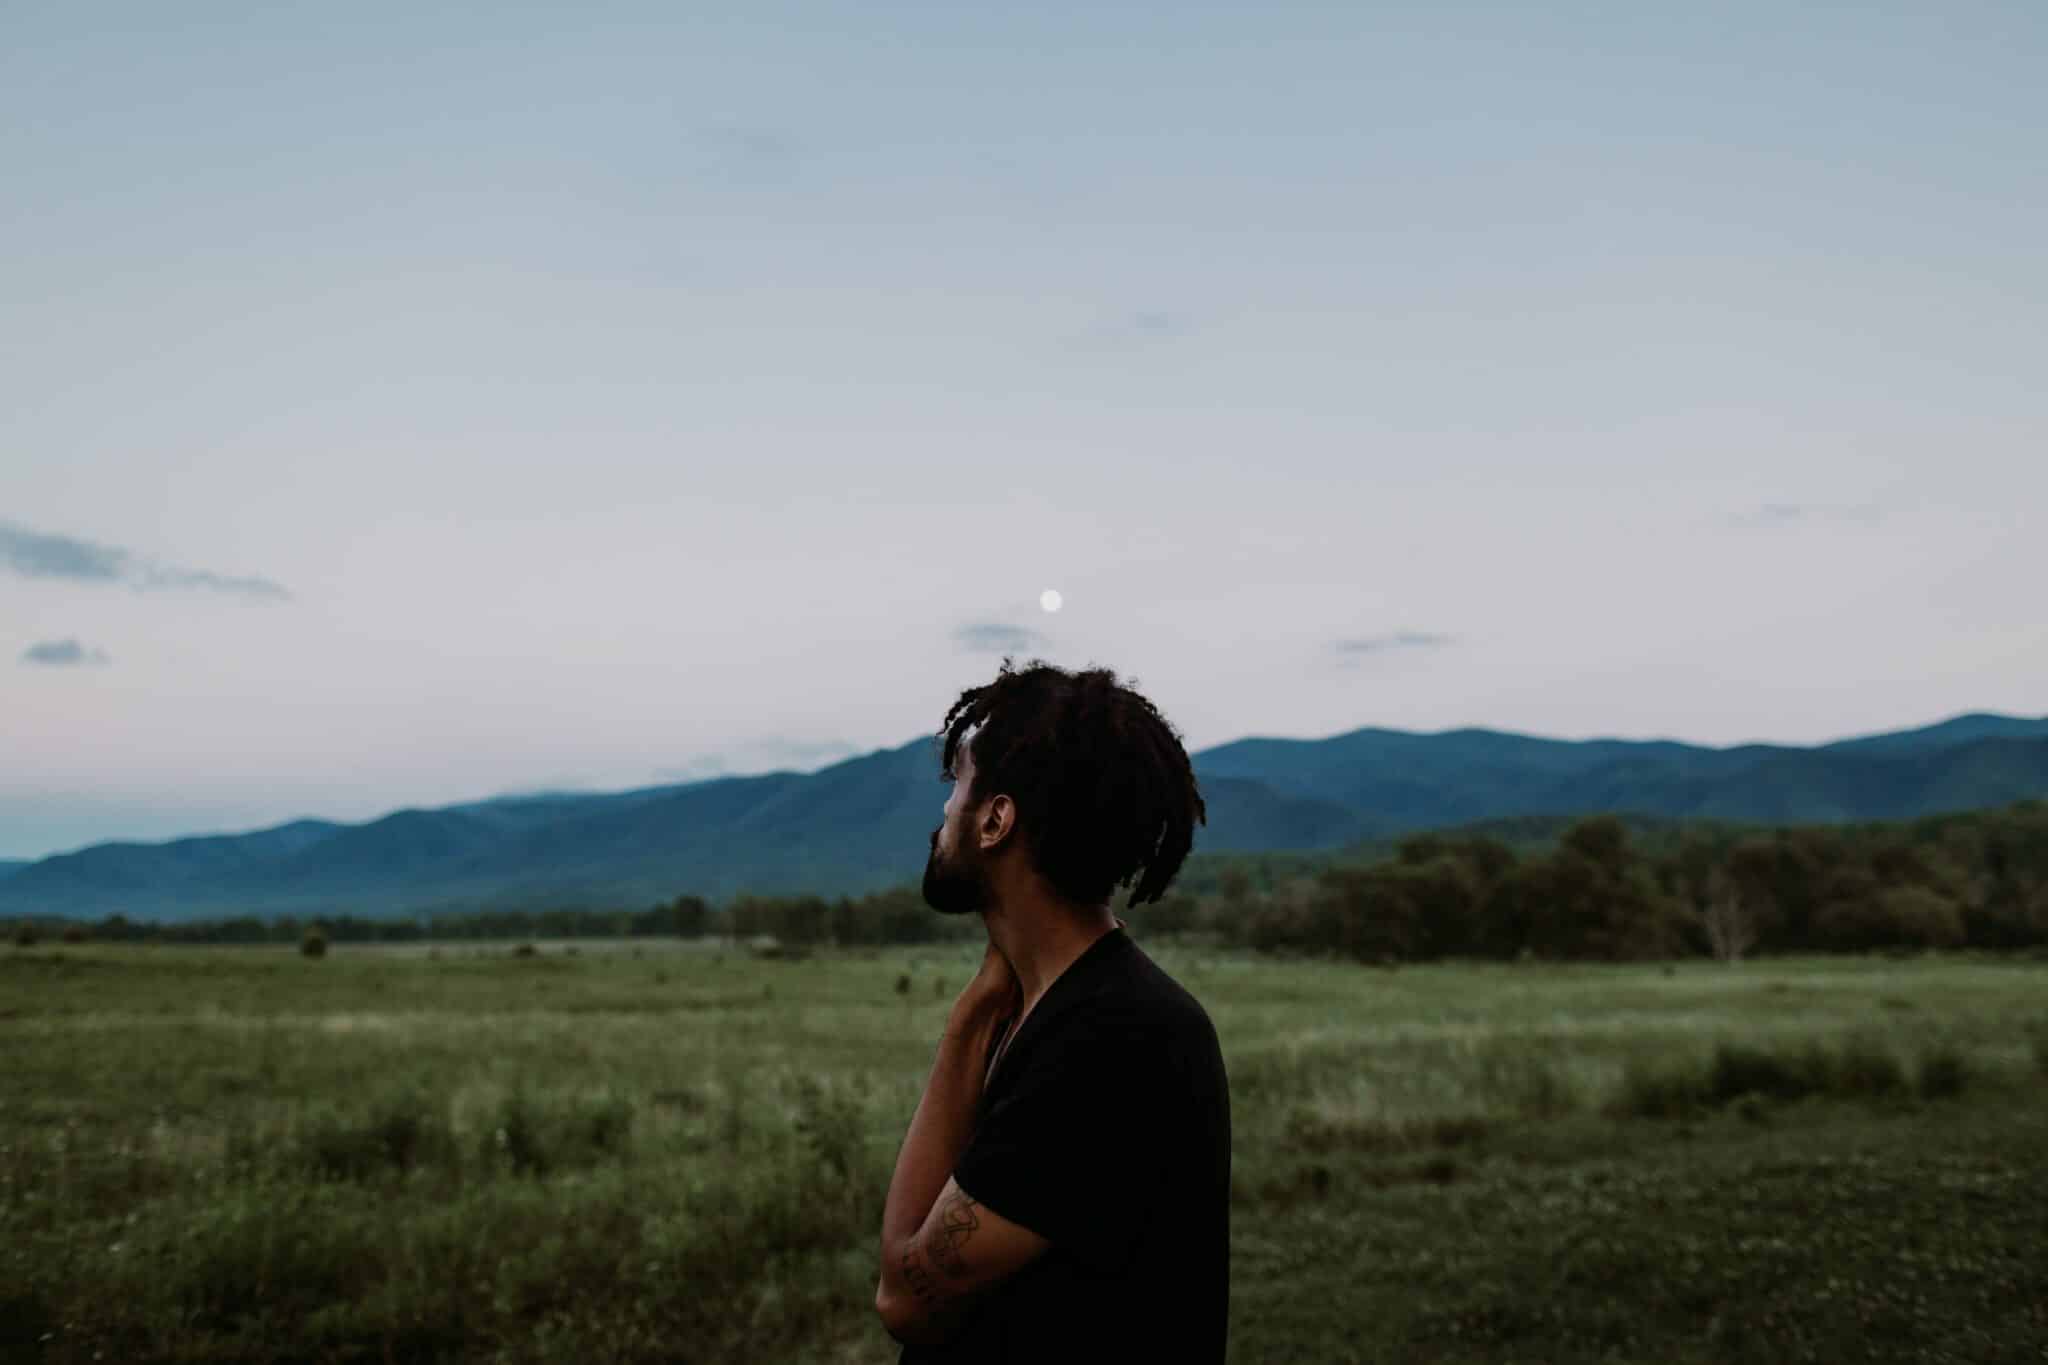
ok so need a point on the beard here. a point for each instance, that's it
(952, 888)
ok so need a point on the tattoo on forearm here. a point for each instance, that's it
(920, 1280)
(941, 1246)
(957, 1223)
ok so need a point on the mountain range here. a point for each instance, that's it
(865, 823)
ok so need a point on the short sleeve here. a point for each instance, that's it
(1072, 1148)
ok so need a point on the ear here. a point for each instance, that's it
(998, 818)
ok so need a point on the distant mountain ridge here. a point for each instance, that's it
(865, 822)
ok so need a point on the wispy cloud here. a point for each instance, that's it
(1782, 514)
(1389, 643)
(996, 637)
(745, 155)
(764, 755)
(63, 654)
(1135, 328)
(42, 554)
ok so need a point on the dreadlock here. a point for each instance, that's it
(1102, 783)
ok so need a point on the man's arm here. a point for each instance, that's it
(962, 1248)
(938, 1245)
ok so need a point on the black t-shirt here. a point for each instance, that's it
(1106, 1130)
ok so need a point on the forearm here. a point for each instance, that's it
(938, 1133)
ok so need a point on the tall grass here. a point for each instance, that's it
(1857, 1067)
(246, 1155)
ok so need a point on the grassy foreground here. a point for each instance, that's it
(679, 1153)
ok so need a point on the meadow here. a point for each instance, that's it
(641, 1151)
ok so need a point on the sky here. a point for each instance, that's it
(408, 403)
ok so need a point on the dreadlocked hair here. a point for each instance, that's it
(1102, 783)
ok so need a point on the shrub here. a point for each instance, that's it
(25, 936)
(1751, 1108)
(1740, 1070)
(1310, 1132)
(1868, 1068)
(1527, 1082)
(74, 933)
(1907, 917)
(1943, 1073)
(735, 1083)
(832, 1122)
(401, 1131)
(1737, 1070)
(536, 1139)
(1659, 1091)
(314, 942)
(603, 1125)
(1746, 1077)
(517, 1135)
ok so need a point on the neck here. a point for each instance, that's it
(1041, 941)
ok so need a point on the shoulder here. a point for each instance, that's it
(1135, 1004)
(1163, 999)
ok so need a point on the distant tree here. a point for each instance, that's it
(1727, 918)
(1591, 898)
(1367, 913)
(1781, 880)
(1688, 870)
(690, 915)
(1297, 918)
(1176, 910)
(805, 919)
(1904, 917)
(560, 922)
(1445, 893)
(1601, 839)
(2009, 916)
(1417, 849)
(1489, 858)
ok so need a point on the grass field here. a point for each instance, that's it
(678, 1152)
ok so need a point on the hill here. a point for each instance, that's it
(865, 823)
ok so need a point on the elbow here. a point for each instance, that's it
(890, 1310)
(904, 1318)
(896, 1309)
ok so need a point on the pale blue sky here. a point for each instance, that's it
(408, 403)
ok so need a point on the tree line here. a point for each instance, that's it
(1598, 888)
(1604, 892)
(894, 915)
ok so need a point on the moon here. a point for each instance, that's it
(1049, 599)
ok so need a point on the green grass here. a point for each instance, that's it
(680, 1153)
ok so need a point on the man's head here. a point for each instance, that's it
(1070, 781)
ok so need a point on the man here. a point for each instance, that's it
(1063, 1193)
